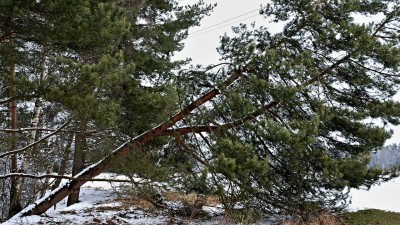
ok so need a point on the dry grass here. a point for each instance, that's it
(125, 204)
(323, 219)
(191, 198)
(242, 217)
(140, 203)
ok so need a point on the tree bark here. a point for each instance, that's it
(15, 201)
(63, 164)
(34, 136)
(78, 159)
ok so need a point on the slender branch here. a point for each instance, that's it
(36, 142)
(324, 72)
(217, 65)
(189, 150)
(375, 70)
(39, 177)
(18, 97)
(6, 101)
(205, 128)
(3, 37)
(189, 129)
(28, 129)
(20, 130)
(144, 193)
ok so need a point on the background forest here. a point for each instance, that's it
(387, 157)
(285, 123)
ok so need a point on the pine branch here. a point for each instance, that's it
(375, 70)
(19, 97)
(207, 128)
(344, 58)
(189, 150)
(3, 37)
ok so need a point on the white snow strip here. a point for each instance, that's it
(384, 197)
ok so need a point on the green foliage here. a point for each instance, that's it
(237, 162)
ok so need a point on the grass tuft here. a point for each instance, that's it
(372, 217)
(323, 219)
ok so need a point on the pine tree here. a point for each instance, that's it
(84, 62)
(309, 91)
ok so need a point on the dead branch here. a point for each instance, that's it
(28, 129)
(189, 150)
(39, 177)
(36, 142)
(6, 100)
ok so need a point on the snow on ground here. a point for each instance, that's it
(98, 206)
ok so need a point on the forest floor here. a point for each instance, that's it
(101, 203)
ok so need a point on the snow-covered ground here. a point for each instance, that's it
(98, 206)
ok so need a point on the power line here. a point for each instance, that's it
(206, 28)
(198, 34)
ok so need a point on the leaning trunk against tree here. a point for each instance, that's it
(78, 159)
(42, 205)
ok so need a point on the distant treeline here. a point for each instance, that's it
(387, 157)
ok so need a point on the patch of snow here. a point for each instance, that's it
(111, 204)
(214, 210)
(382, 196)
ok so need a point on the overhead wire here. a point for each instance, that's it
(226, 21)
(207, 29)
(198, 34)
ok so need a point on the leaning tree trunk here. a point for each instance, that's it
(42, 205)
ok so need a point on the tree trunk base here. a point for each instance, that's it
(73, 198)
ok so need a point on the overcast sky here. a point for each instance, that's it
(203, 40)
